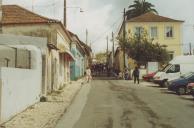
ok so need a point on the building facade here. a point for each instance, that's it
(21, 74)
(56, 63)
(162, 30)
(78, 66)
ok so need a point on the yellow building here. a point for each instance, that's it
(162, 30)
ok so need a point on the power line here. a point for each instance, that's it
(109, 28)
(52, 4)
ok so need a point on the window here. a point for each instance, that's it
(174, 69)
(177, 68)
(153, 32)
(138, 31)
(191, 79)
(166, 67)
(169, 31)
(23, 58)
(171, 55)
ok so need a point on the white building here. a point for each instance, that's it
(21, 76)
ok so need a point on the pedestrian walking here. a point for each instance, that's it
(88, 75)
(126, 74)
(136, 75)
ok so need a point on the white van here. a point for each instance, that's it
(176, 67)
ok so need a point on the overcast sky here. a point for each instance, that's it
(101, 17)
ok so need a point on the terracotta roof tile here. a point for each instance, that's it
(151, 17)
(14, 14)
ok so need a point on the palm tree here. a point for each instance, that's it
(140, 7)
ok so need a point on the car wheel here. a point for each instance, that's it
(151, 80)
(181, 91)
(165, 84)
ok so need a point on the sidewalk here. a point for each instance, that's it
(46, 114)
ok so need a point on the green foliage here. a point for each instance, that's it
(140, 7)
(141, 49)
(101, 57)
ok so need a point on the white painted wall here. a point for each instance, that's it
(20, 88)
(55, 70)
(41, 43)
(61, 77)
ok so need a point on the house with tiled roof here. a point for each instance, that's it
(77, 67)
(87, 50)
(163, 30)
(17, 20)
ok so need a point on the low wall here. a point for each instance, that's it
(20, 88)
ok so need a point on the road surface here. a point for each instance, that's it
(122, 104)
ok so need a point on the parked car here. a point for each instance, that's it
(149, 77)
(192, 92)
(176, 67)
(180, 85)
(190, 86)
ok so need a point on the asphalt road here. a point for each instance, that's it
(121, 104)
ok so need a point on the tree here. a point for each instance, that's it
(141, 49)
(140, 7)
(101, 57)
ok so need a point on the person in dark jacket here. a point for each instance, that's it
(136, 75)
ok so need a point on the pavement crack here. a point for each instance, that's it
(110, 123)
(126, 122)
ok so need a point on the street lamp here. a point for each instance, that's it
(65, 12)
(80, 9)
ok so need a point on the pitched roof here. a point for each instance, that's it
(78, 40)
(81, 42)
(86, 47)
(14, 14)
(151, 17)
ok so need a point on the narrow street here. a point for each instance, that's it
(121, 104)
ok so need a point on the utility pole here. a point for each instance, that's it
(32, 5)
(1, 12)
(87, 36)
(107, 48)
(113, 48)
(193, 51)
(190, 49)
(65, 14)
(124, 37)
(107, 66)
